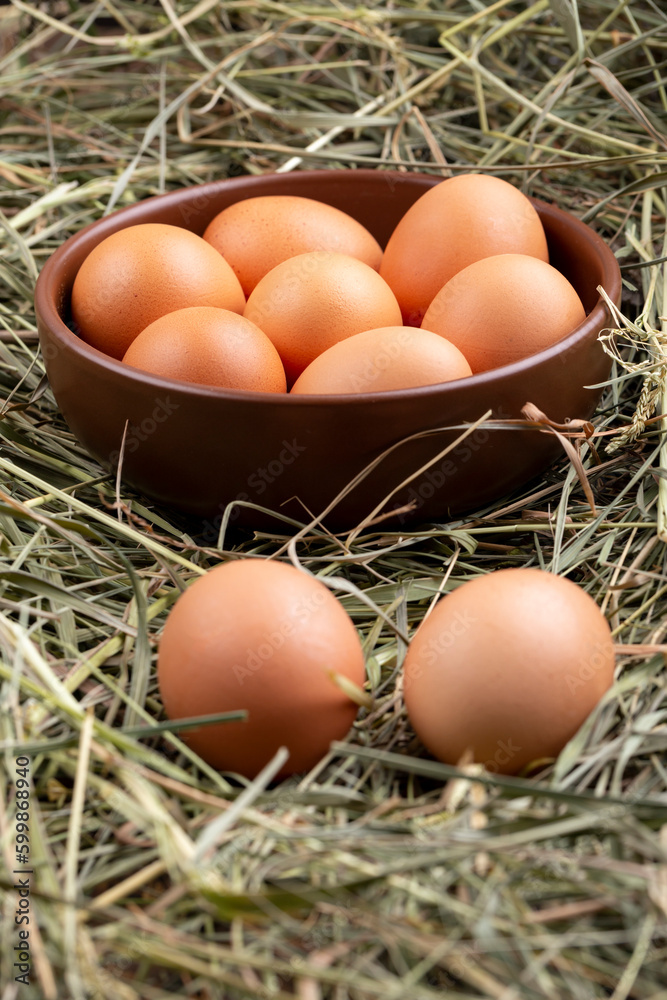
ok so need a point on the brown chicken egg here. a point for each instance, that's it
(141, 273)
(310, 302)
(262, 636)
(507, 666)
(461, 220)
(256, 234)
(504, 308)
(393, 357)
(209, 346)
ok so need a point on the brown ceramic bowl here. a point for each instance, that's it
(197, 448)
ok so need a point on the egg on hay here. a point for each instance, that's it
(507, 666)
(262, 636)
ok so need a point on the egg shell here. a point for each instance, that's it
(508, 665)
(461, 220)
(261, 636)
(504, 308)
(141, 273)
(393, 357)
(257, 234)
(310, 302)
(209, 346)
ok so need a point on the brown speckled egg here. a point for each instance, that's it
(209, 346)
(504, 308)
(256, 234)
(141, 273)
(310, 302)
(508, 666)
(265, 637)
(394, 357)
(461, 220)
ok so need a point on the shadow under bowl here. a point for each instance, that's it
(197, 448)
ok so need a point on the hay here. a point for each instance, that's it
(382, 873)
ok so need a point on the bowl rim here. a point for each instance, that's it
(49, 316)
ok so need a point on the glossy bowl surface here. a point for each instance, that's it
(197, 448)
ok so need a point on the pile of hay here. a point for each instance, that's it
(382, 873)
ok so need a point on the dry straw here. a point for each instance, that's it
(381, 873)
